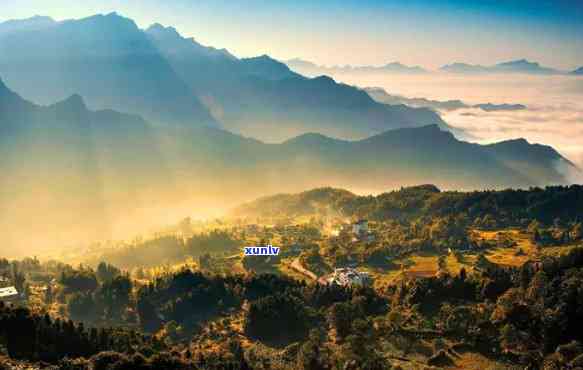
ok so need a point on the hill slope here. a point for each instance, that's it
(106, 59)
(424, 201)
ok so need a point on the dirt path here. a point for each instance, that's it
(296, 265)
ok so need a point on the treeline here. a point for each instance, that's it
(482, 208)
(35, 337)
(37, 341)
(169, 249)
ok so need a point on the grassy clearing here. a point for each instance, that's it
(517, 255)
(423, 265)
(454, 265)
(511, 256)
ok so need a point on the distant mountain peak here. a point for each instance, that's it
(41, 18)
(311, 139)
(514, 66)
(392, 67)
(262, 58)
(74, 101)
(518, 141)
(267, 67)
(324, 79)
(519, 63)
(33, 23)
(162, 30)
(534, 153)
(155, 27)
(431, 132)
(109, 20)
(173, 40)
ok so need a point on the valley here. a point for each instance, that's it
(415, 243)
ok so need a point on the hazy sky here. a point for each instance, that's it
(428, 33)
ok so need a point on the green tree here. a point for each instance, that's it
(106, 272)
(115, 296)
(341, 316)
(81, 306)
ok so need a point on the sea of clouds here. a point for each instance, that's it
(554, 114)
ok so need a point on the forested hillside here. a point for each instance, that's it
(458, 280)
(506, 207)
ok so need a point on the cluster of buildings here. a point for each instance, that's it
(347, 276)
(9, 294)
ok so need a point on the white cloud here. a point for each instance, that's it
(554, 115)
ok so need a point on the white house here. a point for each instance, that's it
(347, 276)
(9, 294)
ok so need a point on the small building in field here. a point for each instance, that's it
(348, 276)
(9, 294)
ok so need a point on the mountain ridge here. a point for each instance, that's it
(68, 160)
(310, 68)
(249, 95)
(522, 66)
(380, 95)
(127, 71)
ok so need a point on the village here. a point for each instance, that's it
(300, 242)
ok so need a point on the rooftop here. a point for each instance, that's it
(349, 276)
(8, 292)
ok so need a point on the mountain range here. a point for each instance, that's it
(312, 69)
(106, 59)
(148, 125)
(169, 79)
(380, 95)
(263, 98)
(522, 66)
(519, 66)
(64, 164)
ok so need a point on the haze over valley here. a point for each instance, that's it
(551, 112)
